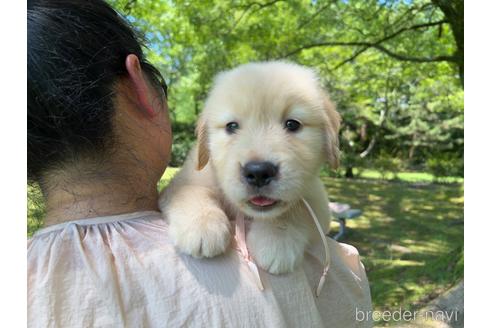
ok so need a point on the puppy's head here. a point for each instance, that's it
(266, 129)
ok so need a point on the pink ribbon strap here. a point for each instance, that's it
(243, 249)
(240, 237)
(326, 266)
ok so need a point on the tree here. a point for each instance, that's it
(454, 13)
(397, 25)
(394, 67)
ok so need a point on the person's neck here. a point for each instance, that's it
(104, 197)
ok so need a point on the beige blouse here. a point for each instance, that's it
(122, 271)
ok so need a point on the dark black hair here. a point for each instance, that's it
(76, 51)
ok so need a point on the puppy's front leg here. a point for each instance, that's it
(278, 246)
(198, 225)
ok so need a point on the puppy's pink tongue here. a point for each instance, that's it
(262, 201)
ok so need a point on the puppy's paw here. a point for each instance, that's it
(207, 235)
(280, 260)
(277, 250)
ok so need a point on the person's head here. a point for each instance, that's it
(96, 107)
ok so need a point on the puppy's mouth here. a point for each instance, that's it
(262, 202)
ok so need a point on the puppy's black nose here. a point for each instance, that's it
(259, 174)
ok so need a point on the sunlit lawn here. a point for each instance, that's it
(410, 236)
(421, 177)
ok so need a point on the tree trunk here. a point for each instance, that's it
(454, 13)
(349, 173)
(412, 147)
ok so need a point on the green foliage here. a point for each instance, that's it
(402, 97)
(445, 165)
(387, 165)
(183, 140)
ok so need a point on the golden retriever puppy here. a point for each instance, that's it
(263, 136)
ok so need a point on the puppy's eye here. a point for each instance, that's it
(231, 127)
(292, 125)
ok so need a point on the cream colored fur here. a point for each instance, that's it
(209, 192)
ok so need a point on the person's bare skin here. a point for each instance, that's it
(126, 180)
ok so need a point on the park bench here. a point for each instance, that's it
(342, 213)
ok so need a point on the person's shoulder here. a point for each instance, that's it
(348, 256)
(348, 250)
(148, 224)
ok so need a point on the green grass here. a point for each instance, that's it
(35, 209)
(410, 236)
(166, 178)
(406, 176)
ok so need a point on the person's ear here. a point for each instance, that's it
(202, 136)
(332, 127)
(143, 89)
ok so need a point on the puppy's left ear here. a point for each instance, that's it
(332, 127)
(202, 136)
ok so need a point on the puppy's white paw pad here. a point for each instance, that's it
(207, 236)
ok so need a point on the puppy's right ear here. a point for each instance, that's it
(202, 136)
